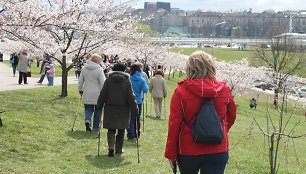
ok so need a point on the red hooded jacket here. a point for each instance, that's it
(190, 94)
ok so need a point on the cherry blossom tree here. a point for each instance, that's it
(66, 30)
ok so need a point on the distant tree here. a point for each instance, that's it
(145, 29)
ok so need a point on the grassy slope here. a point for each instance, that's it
(225, 54)
(37, 138)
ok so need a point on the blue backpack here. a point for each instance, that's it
(207, 128)
(12, 60)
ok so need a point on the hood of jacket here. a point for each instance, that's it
(206, 88)
(118, 76)
(92, 65)
(136, 76)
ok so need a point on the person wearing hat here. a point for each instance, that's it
(158, 90)
(117, 99)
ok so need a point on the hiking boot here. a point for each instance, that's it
(110, 153)
(119, 152)
(87, 127)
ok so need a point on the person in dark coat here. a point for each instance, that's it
(118, 100)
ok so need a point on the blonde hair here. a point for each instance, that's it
(200, 65)
(95, 57)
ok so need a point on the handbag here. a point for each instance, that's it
(29, 74)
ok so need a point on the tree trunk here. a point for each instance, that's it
(275, 102)
(271, 154)
(64, 77)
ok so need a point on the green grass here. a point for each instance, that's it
(35, 70)
(37, 138)
(225, 54)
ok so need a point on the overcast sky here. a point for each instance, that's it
(227, 5)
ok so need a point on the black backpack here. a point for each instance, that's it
(207, 128)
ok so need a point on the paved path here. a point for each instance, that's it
(8, 82)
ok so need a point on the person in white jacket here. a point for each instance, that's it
(90, 84)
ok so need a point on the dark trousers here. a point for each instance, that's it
(207, 164)
(115, 143)
(14, 66)
(22, 76)
(42, 77)
(134, 123)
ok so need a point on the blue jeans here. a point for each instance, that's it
(14, 66)
(92, 110)
(208, 164)
(50, 80)
(41, 78)
(131, 132)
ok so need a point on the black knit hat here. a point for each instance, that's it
(119, 67)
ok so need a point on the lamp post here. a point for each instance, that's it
(213, 35)
(233, 28)
(213, 41)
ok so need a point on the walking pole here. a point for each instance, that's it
(151, 106)
(76, 114)
(174, 169)
(99, 134)
(146, 97)
(137, 143)
(99, 138)
(143, 119)
(165, 108)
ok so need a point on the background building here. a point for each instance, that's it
(158, 5)
(224, 24)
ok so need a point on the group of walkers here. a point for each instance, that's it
(113, 94)
(22, 63)
(121, 96)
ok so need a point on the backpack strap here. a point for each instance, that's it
(184, 116)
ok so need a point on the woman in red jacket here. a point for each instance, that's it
(200, 84)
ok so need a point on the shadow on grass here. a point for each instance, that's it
(155, 118)
(79, 135)
(105, 162)
(130, 143)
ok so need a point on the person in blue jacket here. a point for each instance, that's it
(139, 86)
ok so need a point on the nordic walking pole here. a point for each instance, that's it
(151, 105)
(99, 134)
(76, 114)
(143, 112)
(174, 169)
(99, 139)
(165, 108)
(137, 136)
(146, 97)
